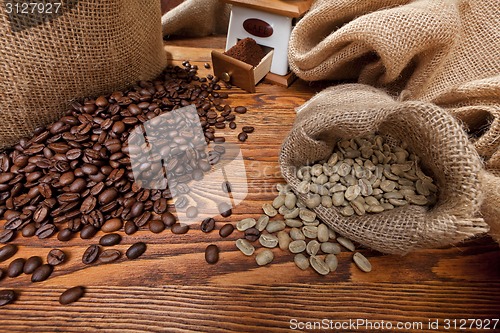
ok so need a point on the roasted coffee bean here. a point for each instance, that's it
(56, 257)
(109, 255)
(207, 225)
(7, 296)
(130, 228)
(232, 125)
(136, 250)
(71, 295)
(225, 209)
(252, 234)
(179, 229)
(7, 251)
(240, 109)
(143, 219)
(226, 187)
(6, 236)
(248, 129)
(226, 230)
(112, 225)
(91, 254)
(107, 196)
(160, 206)
(16, 267)
(110, 240)
(212, 254)
(168, 218)
(46, 231)
(29, 230)
(32, 264)
(42, 273)
(242, 136)
(88, 232)
(156, 226)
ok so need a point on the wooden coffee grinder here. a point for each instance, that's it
(269, 23)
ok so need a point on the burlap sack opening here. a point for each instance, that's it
(92, 48)
(356, 110)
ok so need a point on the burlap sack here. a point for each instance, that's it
(91, 48)
(196, 18)
(350, 111)
(490, 209)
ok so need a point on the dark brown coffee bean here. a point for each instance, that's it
(7, 251)
(6, 236)
(156, 226)
(226, 230)
(248, 129)
(71, 295)
(226, 187)
(91, 254)
(168, 218)
(89, 169)
(78, 186)
(88, 232)
(110, 239)
(240, 109)
(136, 250)
(191, 212)
(252, 234)
(7, 296)
(32, 264)
(142, 219)
(232, 125)
(75, 224)
(225, 209)
(88, 205)
(112, 225)
(46, 231)
(130, 228)
(212, 254)
(219, 139)
(160, 206)
(29, 230)
(136, 209)
(107, 196)
(65, 235)
(242, 137)
(179, 229)
(207, 225)
(40, 214)
(16, 267)
(109, 255)
(42, 273)
(56, 257)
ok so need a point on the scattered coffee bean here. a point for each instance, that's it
(207, 225)
(301, 261)
(6, 236)
(88, 232)
(362, 263)
(225, 209)
(264, 257)
(7, 251)
(110, 239)
(130, 228)
(7, 296)
(332, 262)
(212, 254)
(179, 229)
(29, 230)
(71, 295)
(112, 225)
(246, 224)
(268, 240)
(252, 234)
(136, 250)
(262, 222)
(156, 226)
(242, 136)
(269, 210)
(65, 235)
(168, 219)
(240, 109)
(16, 267)
(248, 129)
(226, 230)
(32, 264)
(56, 257)
(91, 254)
(346, 243)
(245, 247)
(109, 255)
(319, 265)
(42, 273)
(206, 65)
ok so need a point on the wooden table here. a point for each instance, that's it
(171, 288)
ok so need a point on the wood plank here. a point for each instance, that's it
(171, 288)
(290, 8)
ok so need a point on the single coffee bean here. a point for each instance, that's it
(7, 251)
(71, 295)
(88, 232)
(160, 206)
(191, 212)
(212, 254)
(226, 187)
(136, 250)
(225, 209)
(130, 228)
(156, 226)
(264, 257)
(207, 225)
(42, 273)
(46, 231)
(252, 234)
(178, 228)
(65, 235)
(28, 230)
(32, 264)
(248, 129)
(362, 263)
(6, 236)
(112, 225)
(168, 218)
(110, 240)
(7, 296)
(16, 267)
(91, 254)
(245, 247)
(232, 125)
(56, 257)
(240, 109)
(242, 136)
(226, 230)
(109, 255)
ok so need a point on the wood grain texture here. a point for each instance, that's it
(172, 289)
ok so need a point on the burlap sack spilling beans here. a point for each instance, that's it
(89, 48)
(350, 111)
(197, 18)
